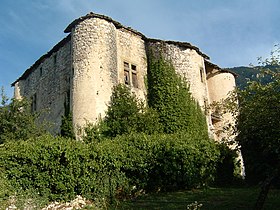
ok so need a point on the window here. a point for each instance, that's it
(41, 71)
(54, 59)
(34, 103)
(201, 75)
(130, 74)
(126, 73)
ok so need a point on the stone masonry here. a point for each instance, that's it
(77, 74)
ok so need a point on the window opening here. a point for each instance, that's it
(54, 59)
(130, 74)
(126, 74)
(34, 103)
(201, 75)
(41, 71)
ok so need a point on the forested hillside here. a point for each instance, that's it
(247, 73)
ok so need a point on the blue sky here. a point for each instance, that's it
(231, 32)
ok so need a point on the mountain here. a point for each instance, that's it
(250, 73)
(244, 74)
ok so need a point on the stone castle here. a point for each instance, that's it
(79, 72)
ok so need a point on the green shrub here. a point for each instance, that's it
(226, 166)
(18, 122)
(66, 128)
(168, 161)
(126, 114)
(60, 168)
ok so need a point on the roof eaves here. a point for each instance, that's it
(94, 15)
(42, 58)
(220, 69)
(181, 44)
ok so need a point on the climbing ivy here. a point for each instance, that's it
(169, 95)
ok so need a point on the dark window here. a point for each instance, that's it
(201, 74)
(126, 73)
(41, 71)
(34, 103)
(54, 59)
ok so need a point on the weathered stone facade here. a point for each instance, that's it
(80, 71)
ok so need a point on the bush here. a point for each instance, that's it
(18, 122)
(227, 166)
(60, 168)
(165, 162)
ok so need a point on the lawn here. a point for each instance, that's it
(211, 198)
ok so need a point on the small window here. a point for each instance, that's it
(134, 80)
(34, 103)
(201, 75)
(126, 65)
(41, 71)
(54, 59)
(130, 74)
(126, 77)
(133, 67)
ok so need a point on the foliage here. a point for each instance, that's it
(60, 168)
(123, 112)
(258, 122)
(169, 95)
(165, 162)
(126, 114)
(5, 187)
(17, 121)
(66, 128)
(226, 166)
(223, 198)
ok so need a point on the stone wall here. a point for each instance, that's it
(189, 63)
(99, 53)
(220, 84)
(95, 69)
(131, 49)
(81, 70)
(48, 85)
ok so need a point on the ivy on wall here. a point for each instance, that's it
(169, 95)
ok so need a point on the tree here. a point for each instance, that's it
(258, 125)
(17, 121)
(127, 114)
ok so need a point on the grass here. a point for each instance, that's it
(211, 198)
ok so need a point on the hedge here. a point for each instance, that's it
(61, 168)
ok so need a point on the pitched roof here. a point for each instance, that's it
(220, 69)
(117, 25)
(42, 58)
(181, 44)
(94, 15)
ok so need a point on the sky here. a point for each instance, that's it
(231, 32)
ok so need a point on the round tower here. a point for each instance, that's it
(220, 84)
(94, 68)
